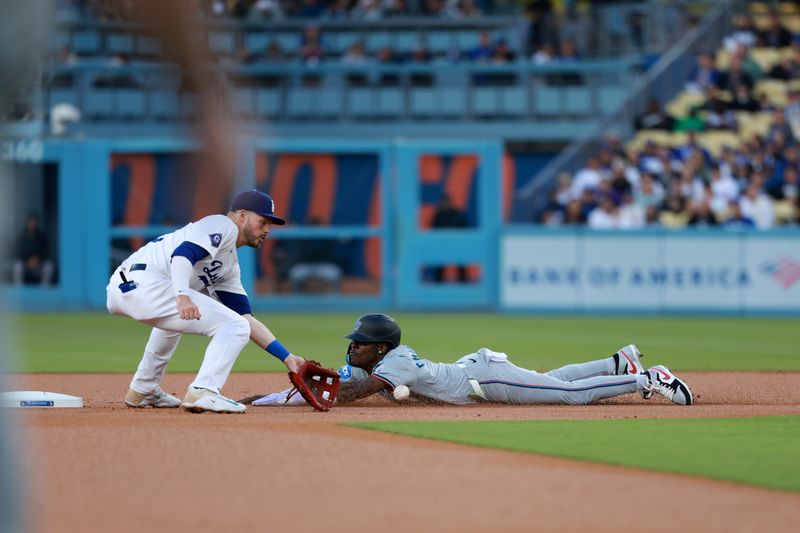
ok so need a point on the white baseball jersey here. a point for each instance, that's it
(219, 270)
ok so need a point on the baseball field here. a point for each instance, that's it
(727, 463)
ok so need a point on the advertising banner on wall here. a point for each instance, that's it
(747, 272)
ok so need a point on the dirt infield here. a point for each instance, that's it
(109, 468)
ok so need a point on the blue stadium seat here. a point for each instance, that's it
(329, 102)
(339, 42)
(389, 101)
(452, 101)
(423, 102)
(484, 101)
(578, 100)
(256, 43)
(164, 104)
(466, 40)
(147, 46)
(268, 102)
(244, 101)
(99, 103)
(513, 101)
(86, 42)
(376, 40)
(439, 42)
(547, 101)
(222, 42)
(119, 43)
(130, 103)
(63, 96)
(610, 98)
(301, 102)
(405, 42)
(289, 41)
(360, 102)
(188, 105)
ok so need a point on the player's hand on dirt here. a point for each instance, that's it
(187, 308)
(294, 362)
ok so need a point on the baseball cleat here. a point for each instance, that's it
(158, 398)
(668, 385)
(629, 361)
(199, 400)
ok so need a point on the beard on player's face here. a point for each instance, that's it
(252, 236)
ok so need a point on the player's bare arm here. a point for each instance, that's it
(349, 392)
(263, 337)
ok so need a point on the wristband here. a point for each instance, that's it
(276, 348)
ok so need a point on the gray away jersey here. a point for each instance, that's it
(438, 381)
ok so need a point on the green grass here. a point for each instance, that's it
(102, 343)
(757, 451)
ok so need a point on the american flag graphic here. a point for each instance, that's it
(785, 271)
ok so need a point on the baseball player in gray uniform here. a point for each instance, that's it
(377, 362)
(189, 281)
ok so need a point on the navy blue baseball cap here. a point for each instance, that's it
(257, 202)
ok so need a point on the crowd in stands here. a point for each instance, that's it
(750, 184)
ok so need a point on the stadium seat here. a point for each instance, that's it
(119, 43)
(301, 102)
(222, 42)
(86, 42)
(375, 41)
(164, 104)
(513, 101)
(268, 102)
(466, 40)
(256, 42)
(405, 42)
(66, 95)
(99, 103)
(389, 101)
(610, 98)
(360, 102)
(289, 41)
(244, 101)
(423, 103)
(147, 46)
(130, 103)
(577, 101)
(438, 42)
(484, 101)
(546, 101)
(188, 105)
(452, 101)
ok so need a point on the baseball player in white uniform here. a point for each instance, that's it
(189, 281)
(377, 362)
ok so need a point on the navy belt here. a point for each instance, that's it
(127, 286)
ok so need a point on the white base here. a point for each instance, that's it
(30, 398)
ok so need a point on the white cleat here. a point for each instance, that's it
(629, 362)
(668, 385)
(199, 400)
(158, 399)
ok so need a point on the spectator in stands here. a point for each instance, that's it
(397, 8)
(367, 10)
(735, 76)
(544, 55)
(483, 52)
(744, 32)
(788, 68)
(449, 216)
(588, 177)
(780, 127)
(312, 49)
(464, 9)
(757, 206)
(308, 9)
(266, 10)
(421, 53)
(701, 215)
(502, 53)
(32, 262)
(337, 10)
(275, 54)
(735, 218)
(631, 214)
(775, 35)
(719, 116)
(432, 8)
(649, 193)
(654, 117)
(703, 75)
(541, 27)
(605, 215)
(355, 55)
(573, 214)
(674, 215)
(692, 122)
(743, 100)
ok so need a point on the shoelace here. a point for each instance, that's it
(665, 390)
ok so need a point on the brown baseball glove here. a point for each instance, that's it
(317, 384)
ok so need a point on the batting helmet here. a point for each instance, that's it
(376, 327)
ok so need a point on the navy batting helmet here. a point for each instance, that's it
(375, 327)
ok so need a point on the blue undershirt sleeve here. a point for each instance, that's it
(190, 251)
(239, 303)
